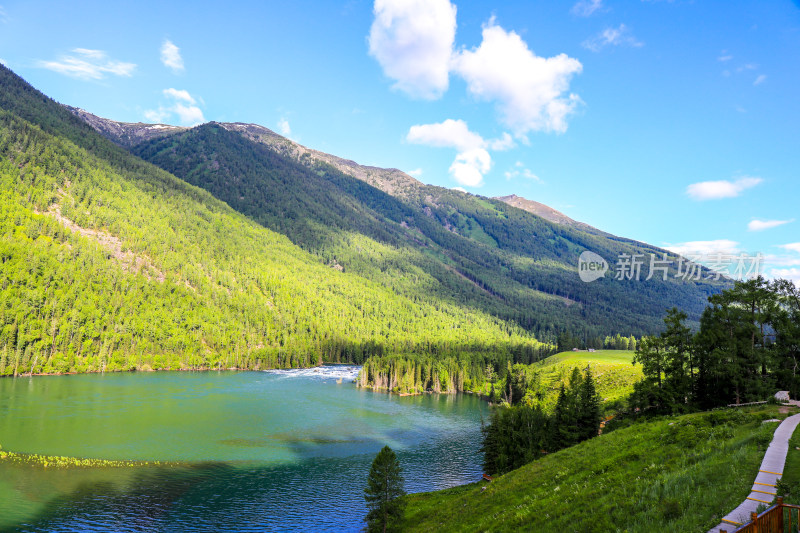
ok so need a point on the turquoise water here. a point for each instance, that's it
(256, 451)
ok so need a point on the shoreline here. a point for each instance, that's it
(236, 369)
(152, 370)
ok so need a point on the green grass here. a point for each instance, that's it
(673, 474)
(600, 357)
(789, 485)
(613, 371)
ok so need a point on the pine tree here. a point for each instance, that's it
(491, 445)
(589, 421)
(563, 420)
(384, 492)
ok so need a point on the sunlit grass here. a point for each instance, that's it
(673, 474)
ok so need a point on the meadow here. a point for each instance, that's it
(677, 473)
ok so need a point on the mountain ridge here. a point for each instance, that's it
(512, 257)
(390, 180)
(111, 263)
(546, 212)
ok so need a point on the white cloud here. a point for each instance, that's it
(505, 142)
(792, 247)
(157, 116)
(792, 274)
(3, 62)
(521, 171)
(3, 15)
(456, 134)
(725, 56)
(529, 90)
(182, 105)
(284, 128)
(413, 42)
(179, 95)
(620, 36)
(417, 172)
(585, 8)
(450, 133)
(473, 159)
(760, 79)
(171, 57)
(470, 166)
(88, 64)
(712, 190)
(188, 115)
(460, 189)
(761, 225)
(705, 248)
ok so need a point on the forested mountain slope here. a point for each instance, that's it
(108, 262)
(426, 242)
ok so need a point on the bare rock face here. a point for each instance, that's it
(125, 134)
(547, 213)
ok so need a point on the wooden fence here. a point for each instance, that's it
(780, 518)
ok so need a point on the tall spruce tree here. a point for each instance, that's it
(384, 492)
(589, 414)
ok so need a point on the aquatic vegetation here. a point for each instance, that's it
(57, 461)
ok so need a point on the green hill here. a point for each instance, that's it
(424, 242)
(613, 371)
(674, 474)
(110, 263)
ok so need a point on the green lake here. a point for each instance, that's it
(247, 451)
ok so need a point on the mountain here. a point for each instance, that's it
(124, 133)
(547, 213)
(111, 263)
(427, 243)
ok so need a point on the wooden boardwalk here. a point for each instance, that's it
(763, 491)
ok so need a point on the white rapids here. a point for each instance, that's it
(324, 372)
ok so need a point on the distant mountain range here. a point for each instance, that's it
(513, 258)
(108, 262)
(142, 246)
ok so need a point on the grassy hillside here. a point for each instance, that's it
(110, 263)
(613, 371)
(675, 474)
(427, 243)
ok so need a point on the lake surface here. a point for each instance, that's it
(255, 451)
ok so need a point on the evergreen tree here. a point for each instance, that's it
(565, 420)
(589, 416)
(679, 363)
(384, 492)
(649, 392)
(490, 447)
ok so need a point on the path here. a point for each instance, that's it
(771, 469)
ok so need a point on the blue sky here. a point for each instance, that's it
(672, 122)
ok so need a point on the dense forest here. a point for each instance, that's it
(428, 243)
(520, 432)
(747, 347)
(109, 263)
